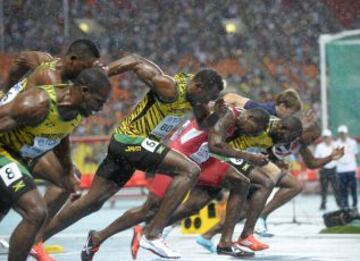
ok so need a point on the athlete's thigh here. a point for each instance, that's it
(288, 181)
(258, 177)
(272, 171)
(175, 162)
(48, 167)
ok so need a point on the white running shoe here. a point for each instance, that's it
(261, 228)
(166, 231)
(4, 247)
(159, 247)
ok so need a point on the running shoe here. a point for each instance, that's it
(234, 251)
(159, 247)
(135, 241)
(4, 247)
(252, 243)
(167, 231)
(206, 243)
(90, 248)
(38, 252)
(261, 228)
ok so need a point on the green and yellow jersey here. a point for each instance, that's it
(263, 141)
(33, 141)
(153, 117)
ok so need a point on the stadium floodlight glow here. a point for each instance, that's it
(89, 26)
(84, 27)
(231, 28)
(233, 25)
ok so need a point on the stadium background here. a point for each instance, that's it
(260, 47)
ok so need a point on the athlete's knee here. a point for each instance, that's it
(191, 170)
(36, 214)
(268, 184)
(240, 184)
(298, 187)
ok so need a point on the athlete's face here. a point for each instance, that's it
(280, 134)
(91, 102)
(282, 111)
(195, 93)
(75, 65)
(248, 126)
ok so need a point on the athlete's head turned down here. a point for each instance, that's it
(92, 89)
(205, 86)
(81, 54)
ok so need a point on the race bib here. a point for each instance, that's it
(236, 161)
(149, 145)
(12, 93)
(10, 173)
(202, 154)
(166, 125)
(39, 147)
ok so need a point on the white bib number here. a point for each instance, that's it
(12, 93)
(202, 154)
(236, 161)
(10, 173)
(149, 145)
(39, 147)
(166, 125)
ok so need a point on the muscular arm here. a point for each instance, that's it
(22, 63)
(28, 108)
(151, 74)
(217, 140)
(313, 163)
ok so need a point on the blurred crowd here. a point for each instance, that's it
(271, 45)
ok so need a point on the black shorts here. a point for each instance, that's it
(241, 165)
(126, 154)
(15, 179)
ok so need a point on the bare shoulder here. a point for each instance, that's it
(32, 104)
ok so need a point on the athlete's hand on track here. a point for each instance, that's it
(337, 153)
(258, 159)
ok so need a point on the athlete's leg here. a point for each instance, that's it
(130, 218)
(102, 188)
(197, 199)
(258, 200)
(32, 208)
(289, 188)
(55, 197)
(186, 173)
(49, 168)
(239, 187)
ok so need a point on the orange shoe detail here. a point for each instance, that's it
(135, 242)
(38, 252)
(252, 243)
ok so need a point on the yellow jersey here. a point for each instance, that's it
(21, 86)
(155, 118)
(263, 141)
(31, 142)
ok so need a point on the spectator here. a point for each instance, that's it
(327, 172)
(346, 167)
